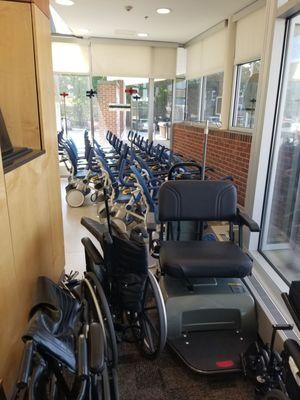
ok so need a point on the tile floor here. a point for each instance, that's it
(74, 231)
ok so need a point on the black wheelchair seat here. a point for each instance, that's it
(199, 259)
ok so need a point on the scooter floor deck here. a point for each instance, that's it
(212, 352)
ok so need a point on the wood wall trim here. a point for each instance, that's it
(43, 5)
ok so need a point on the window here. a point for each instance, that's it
(193, 100)
(212, 97)
(137, 119)
(163, 98)
(111, 90)
(179, 108)
(73, 111)
(245, 95)
(280, 242)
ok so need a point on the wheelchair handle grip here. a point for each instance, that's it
(25, 369)
(183, 164)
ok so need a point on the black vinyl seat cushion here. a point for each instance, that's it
(201, 259)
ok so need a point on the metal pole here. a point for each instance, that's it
(64, 95)
(151, 109)
(206, 130)
(66, 122)
(91, 93)
(173, 112)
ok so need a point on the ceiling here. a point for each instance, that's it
(109, 18)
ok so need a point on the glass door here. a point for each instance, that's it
(72, 105)
(163, 99)
(280, 241)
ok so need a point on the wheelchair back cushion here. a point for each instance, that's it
(194, 200)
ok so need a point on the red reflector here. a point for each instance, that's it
(225, 364)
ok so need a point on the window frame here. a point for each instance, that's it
(182, 78)
(200, 79)
(201, 108)
(274, 154)
(234, 98)
(204, 82)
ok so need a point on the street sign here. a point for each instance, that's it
(119, 107)
(131, 91)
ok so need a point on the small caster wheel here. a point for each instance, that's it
(75, 198)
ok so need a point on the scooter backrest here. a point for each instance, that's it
(195, 200)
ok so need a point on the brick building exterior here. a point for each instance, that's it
(227, 152)
(111, 92)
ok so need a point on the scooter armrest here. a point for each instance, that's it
(244, 219)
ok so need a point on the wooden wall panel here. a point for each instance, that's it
(30, 221)
(46, 92)
(31, 232)
(18, 94)
(10, 345)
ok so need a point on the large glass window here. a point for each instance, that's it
(193, 100)
(179, 107)
(73, 110)
(245, 95)
(280, 241)
(138, 118)
(110, 107)
(163, 98)
(212, 97)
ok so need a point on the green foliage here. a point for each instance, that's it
(77, 104)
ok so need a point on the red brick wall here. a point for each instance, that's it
(111, 92)
(227, 152)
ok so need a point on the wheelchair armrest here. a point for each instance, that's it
(94, 227)
(91, 251)
(82, 358)
(151, 222)
(244, 219)
(96, 348)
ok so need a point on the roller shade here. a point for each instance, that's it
(133, 60)
(249, 37)
(207, 56)
(164, 62)
(70, 58)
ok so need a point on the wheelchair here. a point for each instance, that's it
(66, 352)
(277, 376)
(211, 315)
(119, 268)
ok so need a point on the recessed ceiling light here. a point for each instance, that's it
(163, 10)
(65, 2)
(83, 31)
(142, 34)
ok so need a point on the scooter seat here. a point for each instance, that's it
(203, 259)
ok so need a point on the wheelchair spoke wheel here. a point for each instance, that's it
(152, 320)
(107, 321)
(275, 394)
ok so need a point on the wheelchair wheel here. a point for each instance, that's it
(152, 320)
(75, 198)
(102, 308)
(275, 394)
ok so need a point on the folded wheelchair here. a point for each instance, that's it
(66, 351)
